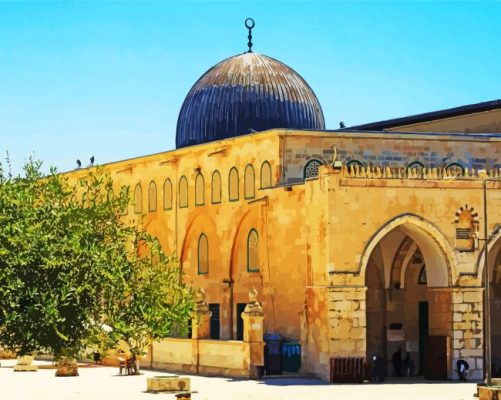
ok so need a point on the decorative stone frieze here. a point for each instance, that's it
(378, 172)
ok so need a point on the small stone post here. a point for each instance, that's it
(253, 317)
(200, 327)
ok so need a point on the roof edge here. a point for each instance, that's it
(430, 116)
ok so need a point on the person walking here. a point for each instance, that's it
(408, 366)
(396, 360)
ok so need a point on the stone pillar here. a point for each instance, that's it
(467, 330)
(200, 326)
(347, 321)
(200, 323)
(253, 318)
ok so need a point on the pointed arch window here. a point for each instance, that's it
(455, 169)
(152, 196)
(265, 175)
(138, 199)
(203, 254)
(199, 190)
(167, 194)
(311, 168)
(183, 192)
(422, 276)
(216, 188)
(416, 164)
(233, 183)
(249, 182)
(353, 163)
(253, 251)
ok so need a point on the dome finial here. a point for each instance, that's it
(249, 24)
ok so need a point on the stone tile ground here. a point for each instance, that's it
(103, 383)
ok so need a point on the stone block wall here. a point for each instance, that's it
(467, 325)
(388, 149)
(347, 321)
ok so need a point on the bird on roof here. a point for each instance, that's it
(92, 160)
(79, 163)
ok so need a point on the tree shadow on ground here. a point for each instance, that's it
(292, 382)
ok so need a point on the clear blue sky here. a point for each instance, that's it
(108, 78)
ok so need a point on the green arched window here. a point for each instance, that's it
(311, 168)
(203, 254)
(455, 168)
(416, 164)
(354, 163)
(253, 251)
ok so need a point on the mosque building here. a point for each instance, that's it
(358, 240)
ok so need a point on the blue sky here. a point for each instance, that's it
(108, 78)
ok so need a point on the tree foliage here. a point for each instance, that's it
(151, 303)
(67, 258)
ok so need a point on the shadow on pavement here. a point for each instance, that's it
(293, 382)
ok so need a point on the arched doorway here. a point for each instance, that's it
(409, 299)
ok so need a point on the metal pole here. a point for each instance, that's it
(487, 297)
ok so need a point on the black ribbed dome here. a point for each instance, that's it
(244, 93)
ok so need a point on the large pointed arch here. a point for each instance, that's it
(245, 280)
(432, 242)
(200, 223)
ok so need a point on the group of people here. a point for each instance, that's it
(401, 367)
(405, 367)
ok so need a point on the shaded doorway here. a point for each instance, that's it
(423, 332)
(214, 321)
(408, 301)
(240, 321)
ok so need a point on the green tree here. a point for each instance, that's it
(65, 249)
(55, 241)
(152, 302)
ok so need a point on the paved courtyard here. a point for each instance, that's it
(103, 383)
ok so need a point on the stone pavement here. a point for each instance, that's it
(96, 383)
